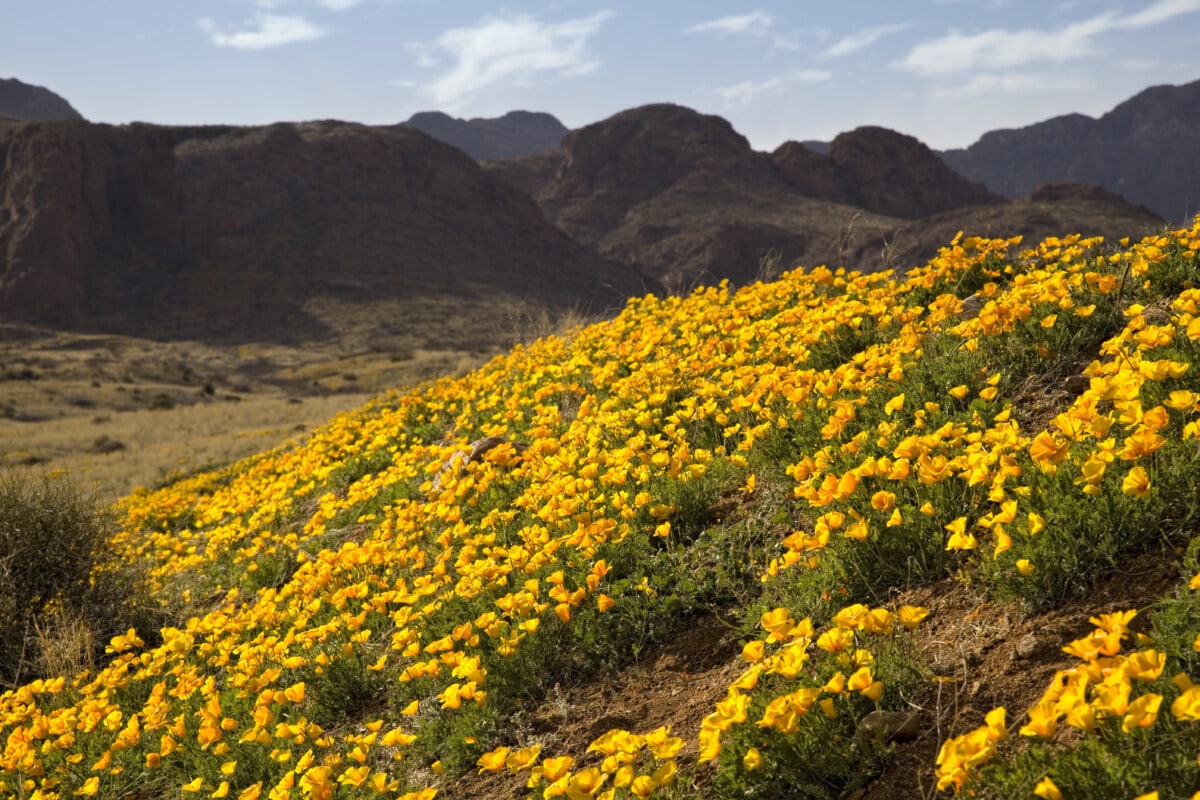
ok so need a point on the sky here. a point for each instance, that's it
(945, 71)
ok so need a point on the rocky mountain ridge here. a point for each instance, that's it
(682, 196)
(333, 230)
(1144, 149)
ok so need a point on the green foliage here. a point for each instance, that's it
(825, 757)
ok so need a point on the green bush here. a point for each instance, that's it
(57, 577)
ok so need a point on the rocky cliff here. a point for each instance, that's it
(290, 231)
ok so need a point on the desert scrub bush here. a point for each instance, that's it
(58, 581)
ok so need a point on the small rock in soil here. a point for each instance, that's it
(890, 725)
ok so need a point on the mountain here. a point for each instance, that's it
(517, 133)
(22, 101)
(682, 196)
(286, 232)
(880, 170)
(1144, 149)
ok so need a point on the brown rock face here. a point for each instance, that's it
(284, 232)
(882, 171)
(53, 217)
(679, 194)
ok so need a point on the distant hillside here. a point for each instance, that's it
(517, 133)
(682, 196)
(22, 101)
(286, 232)
(1144, 149)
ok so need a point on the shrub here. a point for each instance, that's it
(55, 567)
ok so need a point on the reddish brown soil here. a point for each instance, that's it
(981, 655)
(985, 654)
(676, 685)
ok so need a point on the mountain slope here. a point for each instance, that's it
(1143, 149)
(285, 232)
(681, 195)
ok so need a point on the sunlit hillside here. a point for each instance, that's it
(390, 606)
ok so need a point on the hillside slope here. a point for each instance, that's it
(414, 598)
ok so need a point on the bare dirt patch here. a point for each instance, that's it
(984, 654)
(675, 685)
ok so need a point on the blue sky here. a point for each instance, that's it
(942, 70)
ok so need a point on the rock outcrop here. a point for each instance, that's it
(683, 196)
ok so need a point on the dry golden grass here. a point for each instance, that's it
(159, 443)
(118, 412)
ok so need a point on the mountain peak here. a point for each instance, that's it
(33, 103)
(517, 133)
(880, 170)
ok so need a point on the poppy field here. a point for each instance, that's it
(374, 610)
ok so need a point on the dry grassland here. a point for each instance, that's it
(119, 412)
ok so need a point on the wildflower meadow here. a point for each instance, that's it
(371, 610)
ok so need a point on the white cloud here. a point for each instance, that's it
(508, 51)
(756, 23)
(862, 40)
(739, 95)
(263, 32)
(1002, 49)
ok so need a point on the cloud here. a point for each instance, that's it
(513, 50)
(756, 23)
(1001, 49)
(741, 94)
(263, 32)
(862, 40)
